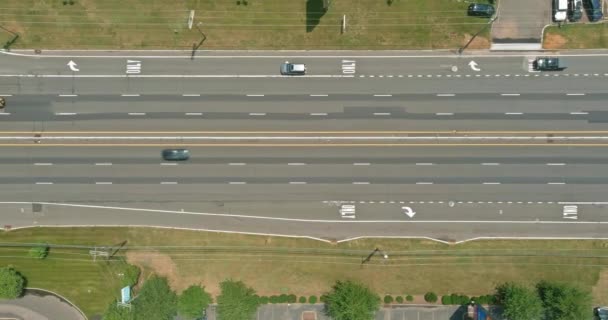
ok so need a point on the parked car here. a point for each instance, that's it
(548, 64)
(176, 154)
(594, 10)
(575, 10)
(600, 313)
(288, 68)
(481, 10)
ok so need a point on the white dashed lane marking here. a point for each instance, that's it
(129, 95)
(43, 164)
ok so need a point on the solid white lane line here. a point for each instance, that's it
(5, 113)
(257, 113)
(43, 164)
(360, 182)
(129, 95)
(444, 114)
(6, 95)
(297, 182)
(579, 112)
(103, 182)
(255, 95)
(318, 114)
(168, 163)
(168, 182)
(490, 164)
(556, 183)
(65, 113)
(237, 164)
(296, 164)
(382, 113)
(383, 95)
(68, 95)
(491, 183)
(424, 163)
(424, 182)
(194, 113)
(509, 94)
(237, 182)
(445, 94)
(575, 94)
(319, 95)
(556, 164)
(103, 163)
(44, 183)
(191, 95)
(137, 113)
(514, 113)
(361, 164)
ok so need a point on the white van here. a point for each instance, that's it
(560, 10)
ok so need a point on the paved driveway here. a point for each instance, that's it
(520, 22)
(315, 312)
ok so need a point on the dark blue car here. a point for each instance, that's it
(594, 10)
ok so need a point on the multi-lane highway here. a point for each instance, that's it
(503, 151)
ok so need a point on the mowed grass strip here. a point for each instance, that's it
(261, 24)
(300, 266)
(576, 36)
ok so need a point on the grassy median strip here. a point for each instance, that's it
(300, 266)
(239, 24)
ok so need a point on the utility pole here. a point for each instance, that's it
(369, 257)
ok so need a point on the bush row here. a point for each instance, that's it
(398, 299)
(286, 298)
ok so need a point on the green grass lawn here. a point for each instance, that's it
(577, 36)
(300, 266)
(261, 24)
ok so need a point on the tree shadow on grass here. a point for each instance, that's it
(315, 10)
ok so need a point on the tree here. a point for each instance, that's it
(351, 301)
(236, 301)
(155, 300)
(193, 302)
(11, 283)
(39, 251)
(130, 275)
(519, 302)
(564, 302)
(114, 312)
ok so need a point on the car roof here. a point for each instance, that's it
(298, 67)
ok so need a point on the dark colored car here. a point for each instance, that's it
(575, 10)
(176, 154)
(594, 10)
(548, 64)
(2, 103)
(481, 10)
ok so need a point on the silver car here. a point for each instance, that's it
(291, 69)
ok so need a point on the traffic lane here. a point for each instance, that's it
(445, 231)
(183, 194)
(269, 65)
(314, 173)
(426, 84)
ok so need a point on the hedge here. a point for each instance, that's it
(388, 299)
(409, 298)
(446, 300)
(292, 298)
(399, 299)
(302, 300)
(264, 300)
(274, 299)
(312, 299)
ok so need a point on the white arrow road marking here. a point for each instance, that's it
(72, 66)
(408, 211)
(473, 66)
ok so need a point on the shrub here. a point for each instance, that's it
(409, 298)
(274, 299)
(302, 300)
(388, 299)
(312, 299)
(264, 300)
(40, 251)
(399, 299)
(283, 298)
(323, 298)
(430, 297)
(292, 298)
(446, 300)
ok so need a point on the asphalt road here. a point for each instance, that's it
(458, 192)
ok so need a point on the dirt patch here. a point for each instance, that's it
(478, 43)
(554, 41)
(158, 263)
(600, 290)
